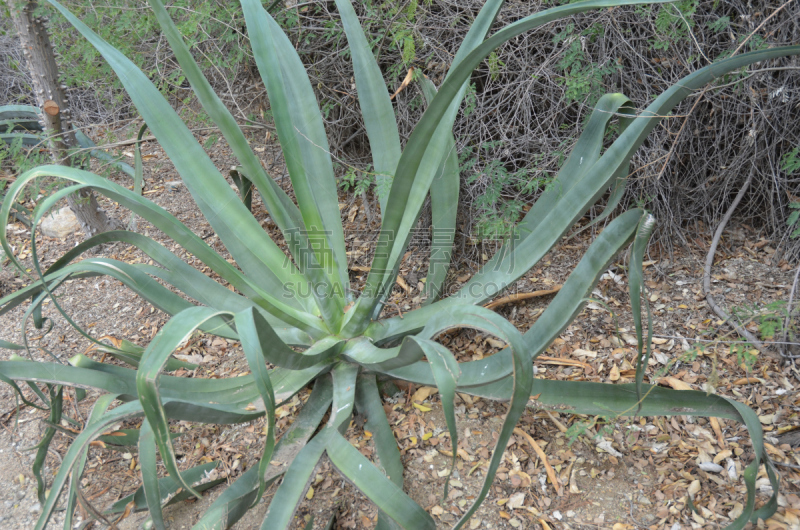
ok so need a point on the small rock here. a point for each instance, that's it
(60, 224)
(20, 494)
(35, 508)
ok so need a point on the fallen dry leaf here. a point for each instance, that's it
(675, 383)
(423, 393)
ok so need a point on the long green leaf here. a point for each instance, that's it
(233, 503)
(444, 209)
(280, 306)
(138, 172)
(415, 169)
(283, 211)
(303, 140)
(237, 392)
(376, 107)
(256, 352)
(583, 156)
(573, 198)
(56, 407)
(369, 403)
(439, 147)
(258, 256)
(150, 483)
(126, 411)
(280, 206)
(19, 111)
(298, 476)
(98, 410)
(86, 143)
(446, 373)
(559, 314)
(166, 486)
(636, 289)
(521, 390)
(175, 332)
(389, 498)
(295, 484)
(581, 397)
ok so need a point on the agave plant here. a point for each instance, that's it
(346, 350)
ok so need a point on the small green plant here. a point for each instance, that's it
(791, 164)
(501, 203)
(583, 79)
(356, 182)
(791, 161)
(299, 321)
(673, 23)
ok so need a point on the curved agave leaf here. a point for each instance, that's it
(284, 212)
(98, 410)
(280, 308)
(369, 403)
(150, 483)
(255, 346)
(149, 289)
(496, 367)
(179, 328)
(446, 372)
(56, 408)
(19, 111)
(254, 251)
(389, 498)
(570, 299)
(167, 487)
(432, 160)
(636, 289)
(581, 397)
(376, 107)
(86, 143)
(234, 502)
(520, 392)
(476, 375)
(444, 209)
(76, 450)
(303, 141)
(238, 392)
(583, 155)
(187, 279)
(412, 180)
(297, 479)
(295, 483)
(569, 201)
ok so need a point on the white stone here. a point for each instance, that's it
(60, 223)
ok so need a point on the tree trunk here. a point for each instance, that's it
(52, 100)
